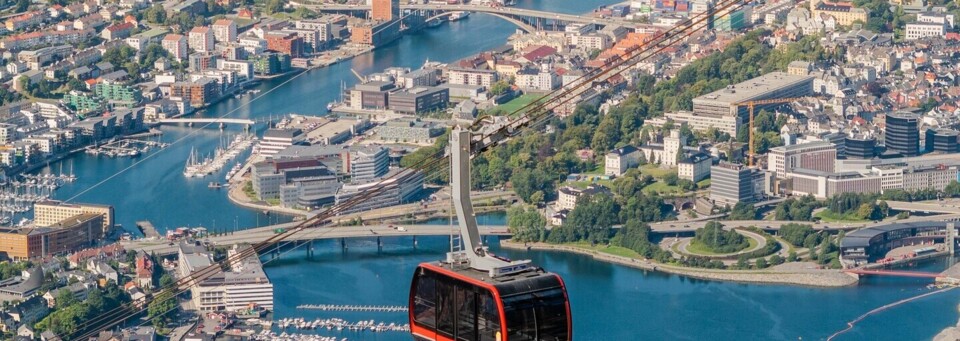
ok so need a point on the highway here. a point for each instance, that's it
(773, 225)
(255, 235)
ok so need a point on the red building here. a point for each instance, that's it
(286, 43)
(144, 271)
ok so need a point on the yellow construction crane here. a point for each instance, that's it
(751, 104)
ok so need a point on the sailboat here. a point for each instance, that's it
(192, 168)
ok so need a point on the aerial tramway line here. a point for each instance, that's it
(472, 282)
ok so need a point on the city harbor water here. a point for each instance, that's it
(610, 302)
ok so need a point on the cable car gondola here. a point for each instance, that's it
(474, 295)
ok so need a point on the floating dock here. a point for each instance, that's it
(148, 229)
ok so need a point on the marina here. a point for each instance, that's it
(268, 335)
(370, 308)
(196, 167)
(18, 196)
(341, 325)
(125, 147)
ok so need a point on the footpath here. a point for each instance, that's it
(788, 273)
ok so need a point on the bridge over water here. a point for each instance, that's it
(256, 235)
(526, 19)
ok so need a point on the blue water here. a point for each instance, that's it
(610, 302)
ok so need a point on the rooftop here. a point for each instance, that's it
(753, 88)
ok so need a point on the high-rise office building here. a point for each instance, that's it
(861, 147)
(385, 10)
(902, 134)
(941, 140)
(733, 183)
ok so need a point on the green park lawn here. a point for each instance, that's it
(703, 183)
(662, 188)
(655, 171)
(701, 249)
(517, 103)
(829, 216)
(613, 250)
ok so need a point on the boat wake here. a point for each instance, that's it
(882, 308)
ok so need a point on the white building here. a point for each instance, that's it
(922, 30)
(472, 77)
(225, 30)
(817, 155)
(538, 81)
(201, 39)
(176, 45)
(700, 123)
(567, 196)
(244, 284)
(619, 160)
(694, 167)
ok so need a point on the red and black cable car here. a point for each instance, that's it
(449, 304)
(476, 296)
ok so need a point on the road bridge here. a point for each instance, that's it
(925, 207)
(256, 235)
(206, 120)
(525, 18)
(894, 273)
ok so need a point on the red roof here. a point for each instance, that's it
(120, 27)
(539, 52)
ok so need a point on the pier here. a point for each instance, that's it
(363, 308)
(148, 229)
(125, 147)
(341, 325)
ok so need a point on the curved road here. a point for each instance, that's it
(761, 242)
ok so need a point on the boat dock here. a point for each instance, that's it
(125, 147)
(364, 308)
(341, 325)
(207, 166)
(148, 229)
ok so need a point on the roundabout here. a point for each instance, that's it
(757, 242)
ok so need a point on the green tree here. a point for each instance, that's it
(166, 280)
(499, 88)
(526, 224)
(715, 238)
(161, 308)
(776, 260)
(743, 211)
(762, 263)
(65, 298)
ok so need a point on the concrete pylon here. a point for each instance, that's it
(951, 235)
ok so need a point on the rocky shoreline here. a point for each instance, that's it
(804, 277)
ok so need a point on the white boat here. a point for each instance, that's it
(459, 15)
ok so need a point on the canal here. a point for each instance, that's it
(610, 302)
